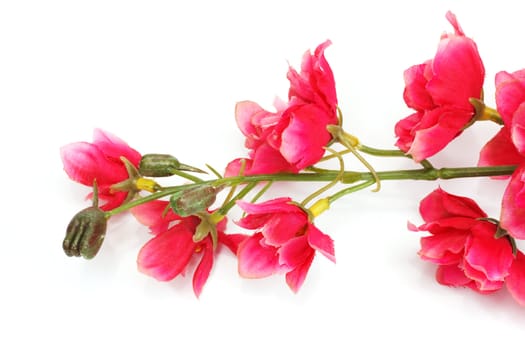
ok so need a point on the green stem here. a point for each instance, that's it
(186, 175)
(348, 177)
(349, 190)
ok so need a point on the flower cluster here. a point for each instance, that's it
(190, 224)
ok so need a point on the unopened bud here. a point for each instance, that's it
(194, 200)
(85, 233)
(161, 165)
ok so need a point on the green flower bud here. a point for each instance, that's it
(85, 233)
(194, 200)
(160, 165)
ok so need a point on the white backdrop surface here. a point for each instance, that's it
(165, 77)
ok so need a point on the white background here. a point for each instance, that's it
(165, 76)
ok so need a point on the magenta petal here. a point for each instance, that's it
(84, 162)
(296, 277)
(451, 275)
(256, 260)
(200, 276)
(512, 207)
(166, 255)
(458, 73)
(488, 255)
(415, 94)
(281, 204)
(114, 148)
(321, 242)
(510, 93)
(244, 112)
(295, 252)
(232, 240)
(429, 141)
(500, 151)
(153, 214)
(518, 128)
(440, 204)
(515, 281)
(305, 136)
(443, 249)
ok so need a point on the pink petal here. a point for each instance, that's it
(430, 140)
(510, 93)
(84, 162)
(268, 160)
(513, 205)
(515, 281)
(405, 130)
(232, 241)
(440, 204)
(320, 242)
(451, 275)
(295, 252)
(276, 205)
(518, 128)
(458, 73)
(296, 277)
(244, 112)
(166, 255)
(488, 255)
(415, 94)
(114, 148)
(154, 215)
(443, 249)
(200, 276)
(256, 260)
(500, 151)
(305, 136)
(451, 17)
(482, 284)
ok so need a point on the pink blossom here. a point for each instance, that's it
(168, 254)
(85, 162)
(507, 147)
(291, 138)
(461, 244)
(439, 91)
(285, 241)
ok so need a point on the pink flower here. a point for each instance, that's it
(507, 147)
(285, 241)
(169, 253)
(291, 138)
(85, 162)
(461, 244)
(439, 91)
